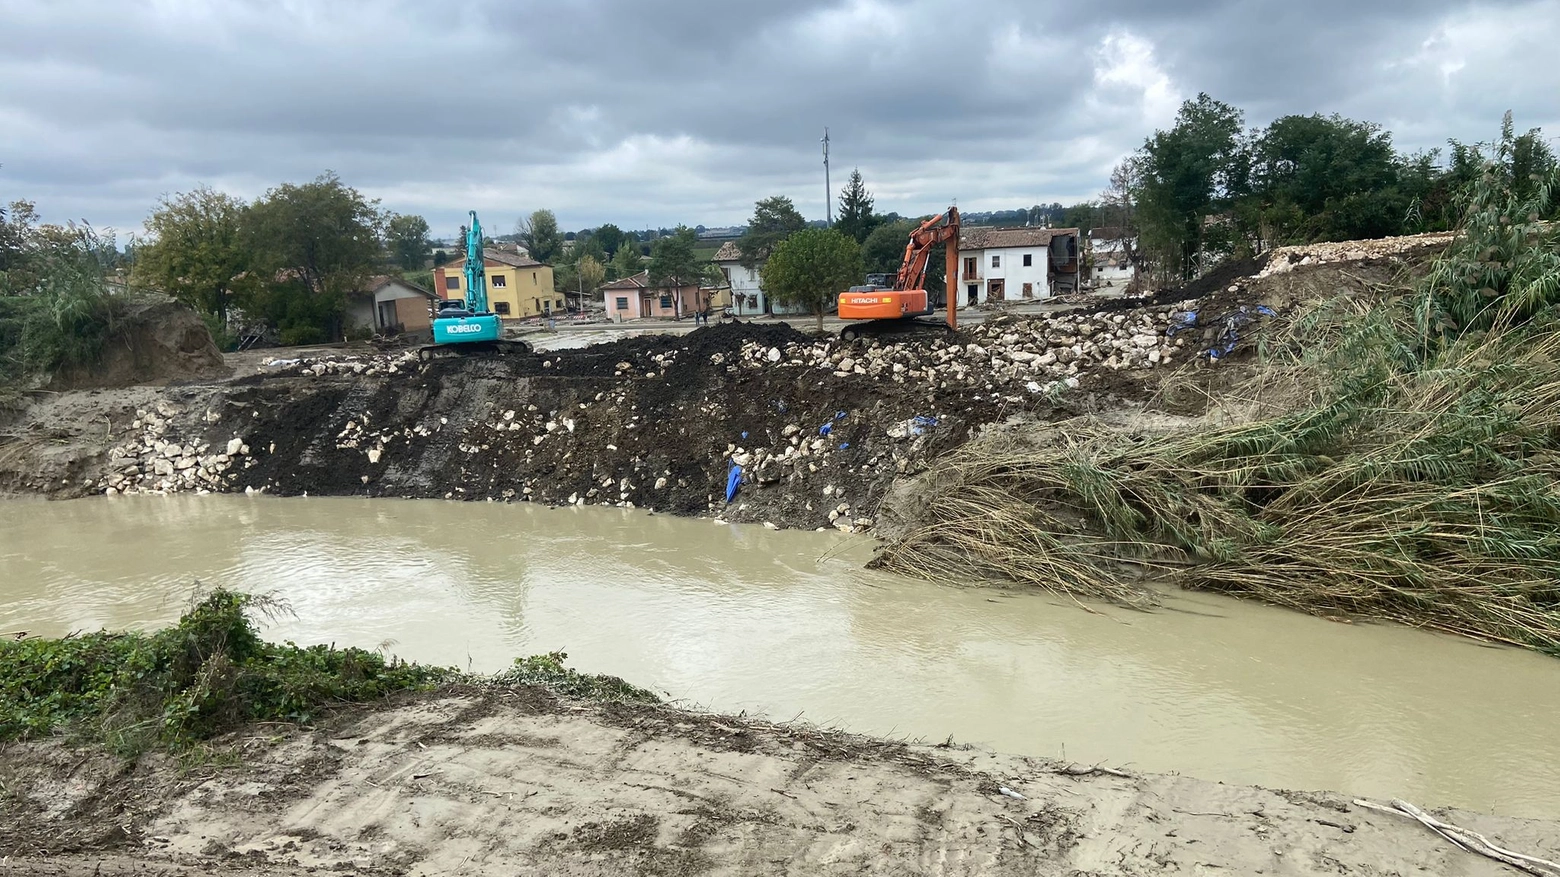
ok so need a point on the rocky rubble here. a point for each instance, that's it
(1043, 354)
(1286, 259)
(153, 459)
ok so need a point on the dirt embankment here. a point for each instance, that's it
(153, 342)
(517, 781)
(819, 429)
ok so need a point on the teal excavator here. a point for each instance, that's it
(467, 326)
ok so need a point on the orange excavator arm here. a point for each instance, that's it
(918, 252)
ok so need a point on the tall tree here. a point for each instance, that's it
(17, 231)
(324, 233)
(610, 237)
(590, 274)
(1326, 178)
(812, 267)
(407, 238)
(628, 260)
(774, 219)
(674, 263)
(312, 244)
(539, 234)
(856, 218)
(884, 248)
(197, 249)
(1192, 171)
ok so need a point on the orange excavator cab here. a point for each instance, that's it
(908, 297)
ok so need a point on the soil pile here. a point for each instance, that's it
(153, 342)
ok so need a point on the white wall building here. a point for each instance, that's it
(1108, 248)
(747, 290)
(1014, 264)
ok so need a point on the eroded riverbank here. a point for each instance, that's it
(787, 623)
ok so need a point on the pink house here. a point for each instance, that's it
(633, 298)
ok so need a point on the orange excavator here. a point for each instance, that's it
(894, 309)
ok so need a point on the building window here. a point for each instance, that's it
(1029, 288)
(973, 290)
(969, 267)
(497, 281)
(666, 302)
(451, 282)
(533, 277)
(1029, 260)
(727, 273)
(547, 307)
(622, 302)
(501, 308)
(996, 261)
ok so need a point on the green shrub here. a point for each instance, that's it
(549, 671)
(207, 674)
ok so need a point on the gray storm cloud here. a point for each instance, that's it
(645, 113)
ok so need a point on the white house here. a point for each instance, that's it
(747, 290)
(1108, 249)
(747, 286)
(1014, 264)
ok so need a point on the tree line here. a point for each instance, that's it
(1209, 189)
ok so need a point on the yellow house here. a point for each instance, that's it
(517, 286)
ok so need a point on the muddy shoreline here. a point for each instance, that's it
(477, 780)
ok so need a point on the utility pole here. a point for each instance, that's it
(828, 190)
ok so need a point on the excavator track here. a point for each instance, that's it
(479, 348)
(886, 328)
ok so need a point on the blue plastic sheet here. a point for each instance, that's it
(733, 482)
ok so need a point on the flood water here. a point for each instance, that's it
(788, 624)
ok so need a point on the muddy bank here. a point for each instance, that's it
(518, 781)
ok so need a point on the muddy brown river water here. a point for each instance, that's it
(788, 624)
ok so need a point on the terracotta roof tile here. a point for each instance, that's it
(982, 238)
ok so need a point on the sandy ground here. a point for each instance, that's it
(516, 782)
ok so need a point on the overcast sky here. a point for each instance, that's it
(652, 113)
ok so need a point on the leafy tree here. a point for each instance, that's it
(312, 244)
(628, 260)
(18, 232)
(1326, 178)
(674, 263)
(884, 248)
(812, 267)
(774, 220)
(407, 236)
(198, 251)
(1192, 171)
(539, 234)
(610, 237)
(590, 274)
(856, 218)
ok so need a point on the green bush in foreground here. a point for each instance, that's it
(212, 672)
(208, 673)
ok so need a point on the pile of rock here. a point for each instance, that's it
(153, 461)
(366, 364)
(1038, 353)
(1286, 259)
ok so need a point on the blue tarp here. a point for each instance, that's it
(733, 482)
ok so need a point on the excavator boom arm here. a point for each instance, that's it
(918, 252)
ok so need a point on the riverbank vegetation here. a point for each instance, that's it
(1414, 475)
(212, 672)
(56, 305)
